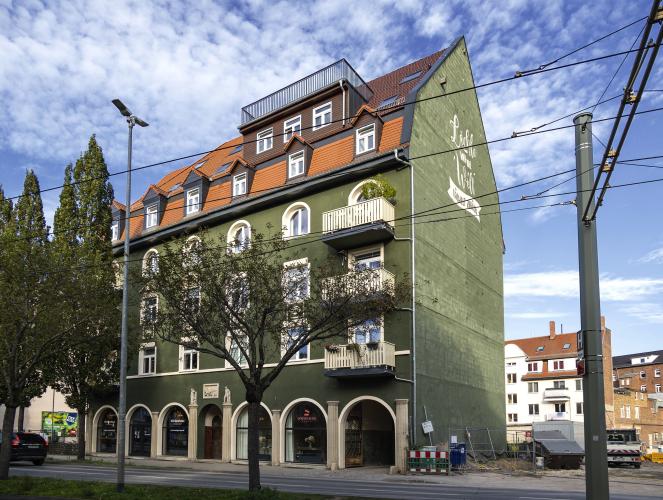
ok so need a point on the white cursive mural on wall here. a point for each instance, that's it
(462, 190)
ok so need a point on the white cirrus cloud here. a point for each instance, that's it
(536, 315)
(565, 284)
(655, 255)
(646, 311)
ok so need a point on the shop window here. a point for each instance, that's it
(176, 433)
(107, 432)
(264, 435)
(305, 435)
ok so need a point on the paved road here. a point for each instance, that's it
(401, 489)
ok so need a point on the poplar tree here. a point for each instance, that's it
(31, 294)
(82, 238)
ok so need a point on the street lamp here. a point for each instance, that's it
(122, 413)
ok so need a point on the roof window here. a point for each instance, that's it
(566, 346)
(198, 165)
(539, 348)
(410, 77)
(237, 149)
(388, 101)
(176, 186)
(222, 168)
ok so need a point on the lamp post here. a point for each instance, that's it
(122, 411)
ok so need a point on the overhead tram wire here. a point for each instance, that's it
(645, 50)
(386, 108)
(308, 239)
(427, 155)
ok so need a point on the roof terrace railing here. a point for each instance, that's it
(340, 70)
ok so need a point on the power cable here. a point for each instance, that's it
(386, 108)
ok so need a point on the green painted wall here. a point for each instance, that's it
(460, 329)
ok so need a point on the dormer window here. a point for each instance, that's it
(265, 140)
(151, 216)
(296, 164)
(115, 230)
(291, 127)
(239, 184)
(322, 116)
(365, 139)
(192, 201)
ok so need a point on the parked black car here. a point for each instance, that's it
(27, 446)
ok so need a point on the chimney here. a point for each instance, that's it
(552, 330)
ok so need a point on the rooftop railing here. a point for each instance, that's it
(340, 70)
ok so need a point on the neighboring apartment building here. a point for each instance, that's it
(542, 381)
(642, 371)
(640, 411)
(340, 131)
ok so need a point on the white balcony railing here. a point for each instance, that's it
(365, 212)
(360, 355)
(558, 415)
(374, 280)
(556, 394)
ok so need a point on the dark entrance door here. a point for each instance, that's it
(353, 438)
(213, 439)
(140, 430)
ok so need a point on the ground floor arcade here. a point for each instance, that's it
(365, 431)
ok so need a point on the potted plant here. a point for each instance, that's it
(379, 187)
(373, 345)
(332, 347)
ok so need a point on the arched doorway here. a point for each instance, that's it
(212, 422)
(369, 435)
(176, 432)
(140, 433)
(305, 435)
(107, 432)
(264, 435)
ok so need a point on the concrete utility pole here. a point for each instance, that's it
(596, 452)
(122, 411)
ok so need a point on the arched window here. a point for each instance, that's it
(107, 432)
(239, 236)
(176, 432)
(305, 435)
(192, 250)
(296, 220)
(140, 433)
(356, 195)
(264, 435)
(151, 262)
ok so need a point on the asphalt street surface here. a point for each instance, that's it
(402, 488)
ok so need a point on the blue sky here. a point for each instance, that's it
(188, 68)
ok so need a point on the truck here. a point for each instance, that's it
(624, 447)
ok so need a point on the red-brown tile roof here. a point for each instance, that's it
(547, 375)
(552, 348)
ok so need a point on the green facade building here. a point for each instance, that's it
(300, 161)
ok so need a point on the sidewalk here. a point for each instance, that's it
(646, 481)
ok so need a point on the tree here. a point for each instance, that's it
(82, 241)
(31, 296)
(240, 304)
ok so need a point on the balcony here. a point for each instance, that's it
(558, 415)
(360, 360)
(340, 70)
(363, 223)
(556, 395)
(377, 280)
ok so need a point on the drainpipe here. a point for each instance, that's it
(340, 82)
(413, 354)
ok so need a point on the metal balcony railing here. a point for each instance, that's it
(365, 212)
(360, 355)
(340, 70)
(558, 415)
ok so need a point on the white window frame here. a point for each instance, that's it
(240, 181)
(533, 367)
(193, 354)
(264, 140)
(287, 219)
(229, 345)
(643, 374)
(297, 159)
(657, 372)
(147, 260)
(142, 358)
(532, 385)
(319, 112)
(512, 398)
(657, 388)
(643, 388)
(230, 237)
(559, 406)
(364, 134)
(559, 384)
(292, 126)
(297, 357)
(513, 418)
(115, 231)
(628, 411)
(151, 216)
(581, 405)
(578, 384)
(534, 409)
(143, 308)
(353, 332)
(298, 265)
(192, 206)
(508, 378)
(352, 255)
(636, 412)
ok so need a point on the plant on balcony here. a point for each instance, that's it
(379, 187)
(354, 347)
(372, 345)
(251, 308)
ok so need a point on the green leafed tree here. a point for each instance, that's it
(241, 304)
(32, 328)
(87, 367)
